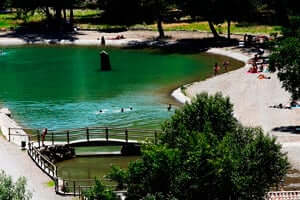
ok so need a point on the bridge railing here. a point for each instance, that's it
(76, 187)
(41, 161)
(93, 133)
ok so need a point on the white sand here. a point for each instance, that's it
(251, 98)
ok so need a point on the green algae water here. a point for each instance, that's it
(63, 87)
(89, 168)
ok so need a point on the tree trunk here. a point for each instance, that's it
(213, 30)
(58, 13)
(65, 14)
(159, 27)
(228, 28)
(48, 14)
(71, 16)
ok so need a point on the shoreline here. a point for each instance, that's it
(252, 99)
(182, 98)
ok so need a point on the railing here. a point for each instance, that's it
(91, 134)
(77, 187)
(40, 160)
(283, 195)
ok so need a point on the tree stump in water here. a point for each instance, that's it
(105, 62)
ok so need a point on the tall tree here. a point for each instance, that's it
(204, 152)
(218, 11)
(285, 59)
(157, 9)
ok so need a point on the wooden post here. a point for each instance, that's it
(55, 172)
(155, 137)
(9, 134)
(106, 134)
(52, 138)
(74, 187)
(38, 138)
(68, 137)
(126, 135)
(87, 134)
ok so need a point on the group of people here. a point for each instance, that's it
(259, 64)
(217, 68)
(293, 104)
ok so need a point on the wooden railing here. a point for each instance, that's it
(41, 161)
(90, 134)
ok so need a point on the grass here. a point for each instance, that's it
(237, 28)
(50, 184)
(91, 19)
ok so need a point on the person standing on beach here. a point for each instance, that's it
(225, 65)
(216, 69)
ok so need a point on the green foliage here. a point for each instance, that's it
(10, 190)
(99, 192)
(285, 59)
(204, 152)
(119, 175)
(205, 113)
(155, 173)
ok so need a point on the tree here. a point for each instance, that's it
(218, 11)
(121, 12)
(204, 152)
(157, 9)
(10, 190)
(285, 59)
(99, 192)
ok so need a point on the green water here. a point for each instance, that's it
(89, 168)
(62, 87)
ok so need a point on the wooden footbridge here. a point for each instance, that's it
(94, 136)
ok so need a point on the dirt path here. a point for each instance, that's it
(17, 163)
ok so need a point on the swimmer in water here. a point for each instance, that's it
(169, 107)
(100, 111)
(122, 109)
(130, 108)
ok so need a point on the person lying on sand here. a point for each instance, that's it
(280, 106)
(118, 37)
(261, 76)
(253, 69)
(295, 104)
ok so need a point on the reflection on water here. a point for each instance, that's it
(89, 168)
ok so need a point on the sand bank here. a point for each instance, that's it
(252, 99)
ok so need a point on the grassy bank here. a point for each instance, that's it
(90, 19)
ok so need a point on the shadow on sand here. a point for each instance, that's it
(289, 129)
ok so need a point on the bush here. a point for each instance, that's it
(10, 190)
(100, 192)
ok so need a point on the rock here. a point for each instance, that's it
(58, 153)
(105, 62)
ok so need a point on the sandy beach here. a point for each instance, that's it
(252, 99)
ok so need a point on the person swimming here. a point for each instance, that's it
(169, 107)
(122, 109)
